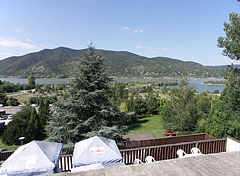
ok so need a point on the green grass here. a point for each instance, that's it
(6, 147)
(152, 124)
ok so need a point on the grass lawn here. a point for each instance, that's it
(6, 147)
(152, 124)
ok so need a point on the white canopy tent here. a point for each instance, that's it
(34, 158)
(96, 152)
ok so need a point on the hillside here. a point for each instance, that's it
(62, 62)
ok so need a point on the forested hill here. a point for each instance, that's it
(61, 62)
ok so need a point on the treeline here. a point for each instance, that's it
(7, 87)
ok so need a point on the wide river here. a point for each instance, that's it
(196, 82)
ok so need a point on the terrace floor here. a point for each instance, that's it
(219, 164)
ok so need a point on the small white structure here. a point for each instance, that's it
(34, 158)
(149, 159)
(96, 152)
(181, 153)
(195, 151)
(137, 161)
(232, 144)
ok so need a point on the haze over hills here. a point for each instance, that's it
(62, 62)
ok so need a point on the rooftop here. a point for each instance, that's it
(226, 163)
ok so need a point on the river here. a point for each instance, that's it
(196, 82)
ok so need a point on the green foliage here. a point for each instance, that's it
(231, 94)
(34, 128)
(180, 112)
(140, 106)
(85, 111)
(26, 123)
(12, 101)
(152, 104)
(119, 93)
(224, 117)
(7, 87)
(204, 103)
(223, 121)
(14, 130)
(216, 91)
(3, 99)
(231, 43)
(43, 111)
(160, 103)
(31, 80)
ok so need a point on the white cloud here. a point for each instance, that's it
(10, 42)
(28, 40)
(138, 47)
(126, 28)
(4, 54)
(164, 49)
(149, 47)
(153, 52)
(17, 30)
(138, 31)
(211, 56)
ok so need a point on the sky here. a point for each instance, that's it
(181, 29)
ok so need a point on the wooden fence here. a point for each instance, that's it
(165, 140)
(161, 152)
(169, 151)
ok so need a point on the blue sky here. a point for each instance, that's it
(180, 29)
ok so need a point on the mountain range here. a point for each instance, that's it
(62, 62)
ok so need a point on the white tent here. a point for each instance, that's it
(96, 150)
(34, 158)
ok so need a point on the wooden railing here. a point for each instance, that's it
(65, 162)
(160, 152)
(163, 152)
(166, 140)
(5, 155)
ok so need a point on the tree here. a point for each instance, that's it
(34, 129)
(85, 111)
(231, 94)
(180, 112)
(31, 80)
(26, 123)
(152, 106)
(231, 43)
(12, 101)
(140, 106)
(3, 99)
(223, 121)
(43, 111)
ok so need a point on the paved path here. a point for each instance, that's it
(139, 136)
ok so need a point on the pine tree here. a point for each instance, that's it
(86, 110)
(34, 128)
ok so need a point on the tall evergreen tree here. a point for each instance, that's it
(34, 128)
(86, 110)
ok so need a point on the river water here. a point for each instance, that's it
(196, 82)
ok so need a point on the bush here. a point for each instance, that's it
(14, 130)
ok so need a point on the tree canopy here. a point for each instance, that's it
(180, 112)
(85, 110)
(231, 42)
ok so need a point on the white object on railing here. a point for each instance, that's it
(195, 151)
(181, 153)
(137, 161)
(149, 159)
